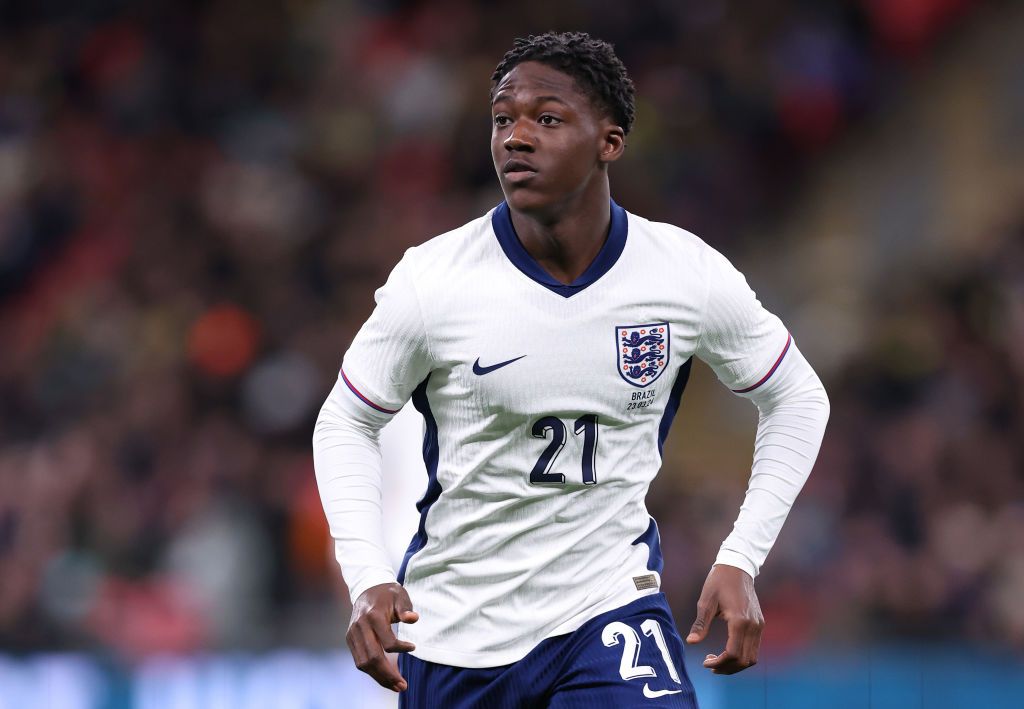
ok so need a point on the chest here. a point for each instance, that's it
(522, 352)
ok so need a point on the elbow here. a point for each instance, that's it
(813, 397)
(326, 421)
(321, 427)
(824, 402)
(331, 422)
(335, 419)
(812, 392)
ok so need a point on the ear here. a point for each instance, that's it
(613, 143)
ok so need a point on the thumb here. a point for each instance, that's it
(699, 629)
(403, 608)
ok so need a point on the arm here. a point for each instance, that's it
(793, 409)
(752, 353)
(347, 460)
(387, 359)
(346, 456)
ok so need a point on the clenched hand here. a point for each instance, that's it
(369, 633)
(729, 594)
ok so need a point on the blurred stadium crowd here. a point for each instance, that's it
(198, 199)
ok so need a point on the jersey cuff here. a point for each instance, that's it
(368, 579)
(359, 395)
(728, 557)
(766, 377)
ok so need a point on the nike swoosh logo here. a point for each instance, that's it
(655, 693)
(478, 370)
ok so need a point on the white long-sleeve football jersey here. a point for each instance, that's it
(545, 409)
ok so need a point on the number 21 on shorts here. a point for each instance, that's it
(618, 632)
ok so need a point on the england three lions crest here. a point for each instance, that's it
(643, 352)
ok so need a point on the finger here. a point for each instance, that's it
(354, 647)
(737, 630)
(386, 636)
(752, 643)
(699, 630)
(403, 609)
(363, 646)
(723, 664)
(370, 658)
(732, 659)
(719, 660)
(385, 673)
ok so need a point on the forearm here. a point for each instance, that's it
(793, 409)
(346, 456)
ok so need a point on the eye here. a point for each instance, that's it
(549, 120)
(502, 121)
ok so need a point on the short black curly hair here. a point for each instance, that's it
(592, 63)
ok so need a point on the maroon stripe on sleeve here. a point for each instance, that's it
(365, 400)
(771, 371)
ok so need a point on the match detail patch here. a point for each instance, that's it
(645, 582)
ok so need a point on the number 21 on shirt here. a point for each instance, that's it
(587, 425)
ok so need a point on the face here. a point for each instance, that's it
(549, 142)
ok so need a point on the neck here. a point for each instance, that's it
(566, 240)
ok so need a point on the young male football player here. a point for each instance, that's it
(547, 345)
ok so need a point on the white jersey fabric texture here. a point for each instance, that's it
(546, 406)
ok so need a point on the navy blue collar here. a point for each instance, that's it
(501, 221)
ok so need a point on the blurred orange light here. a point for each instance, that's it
(222, 342)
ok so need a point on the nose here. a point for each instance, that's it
(518, 140)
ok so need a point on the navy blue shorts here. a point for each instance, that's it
(628, 657)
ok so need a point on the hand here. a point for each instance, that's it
(369, 632)
(729, 593)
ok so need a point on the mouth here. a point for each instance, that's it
(518, 170)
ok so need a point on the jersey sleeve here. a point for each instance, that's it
(753, 354)
(389, 356)
(740, 340)
(793, 410)
(347, 464)
(387, 359)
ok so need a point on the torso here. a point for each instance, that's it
(527, 539)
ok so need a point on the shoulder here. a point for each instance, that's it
(677, 247)
(450, 251)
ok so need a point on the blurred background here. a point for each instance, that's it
(198, 199)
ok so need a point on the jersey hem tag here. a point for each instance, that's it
(645, 582)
